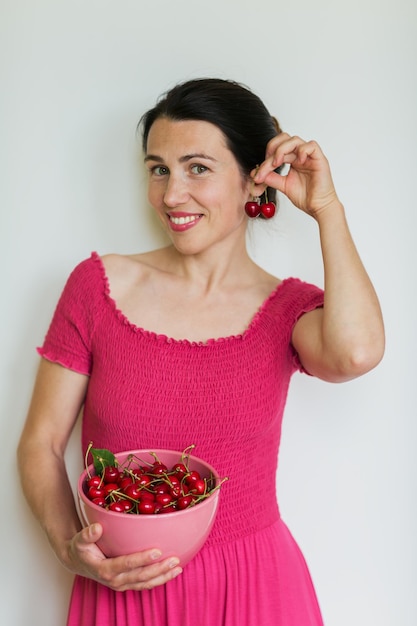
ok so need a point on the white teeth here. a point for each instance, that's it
(183, 220)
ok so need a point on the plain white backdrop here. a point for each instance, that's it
(75, 79)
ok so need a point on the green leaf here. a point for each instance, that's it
(102, 458)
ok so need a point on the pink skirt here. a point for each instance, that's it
(261, 579)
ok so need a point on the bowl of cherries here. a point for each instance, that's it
(149, 499)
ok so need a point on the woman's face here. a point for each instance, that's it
(195, 184)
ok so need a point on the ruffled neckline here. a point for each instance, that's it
(165, 338)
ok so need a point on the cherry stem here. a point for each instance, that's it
(223, 480)
(185, 456)
(139, 461)
(90, 445)
(155, 456)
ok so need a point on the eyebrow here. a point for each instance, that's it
(183, 159)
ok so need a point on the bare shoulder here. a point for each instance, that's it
(268, 283)
(124, 271)
(122, 262)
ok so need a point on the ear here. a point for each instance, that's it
(255, 190)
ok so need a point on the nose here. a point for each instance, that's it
(176, 192)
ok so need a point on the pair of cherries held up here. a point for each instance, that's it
(255, 208)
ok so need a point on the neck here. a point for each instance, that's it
(214, 268)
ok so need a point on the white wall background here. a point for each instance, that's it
(75, 78)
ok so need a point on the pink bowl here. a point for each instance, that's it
(181, 533)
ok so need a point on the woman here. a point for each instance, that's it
(195, 343)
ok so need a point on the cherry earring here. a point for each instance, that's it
(253, 207)
(268, 208)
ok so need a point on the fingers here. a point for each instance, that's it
(284, 146)
(287, 150)
(142, 570)
(139, 571)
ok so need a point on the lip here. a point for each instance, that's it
(183, 221)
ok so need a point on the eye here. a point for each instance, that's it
(198, 169)
(159, 170)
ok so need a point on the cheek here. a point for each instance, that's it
(155, 195)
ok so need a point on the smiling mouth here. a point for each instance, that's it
(180, 221)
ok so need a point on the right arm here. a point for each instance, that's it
(56, 402)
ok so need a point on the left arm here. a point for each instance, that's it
(345, 338)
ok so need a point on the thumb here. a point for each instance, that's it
(276, 181)
(92, 533)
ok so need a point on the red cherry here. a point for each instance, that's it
(124, 481)
(158, 469)
(161, 488)
(167, 509)
(192, 478)
(111, 474)
(144, 480)
(198, 487)
(184, 502)
(175, 492)
(94, 481)
(174, 480)
(180, 469)
(132, 491)
(146, 507)
(147, 495)
(268, 210)
(164, 498)
(121, 506)
(100, 501)
(252, 208)
(128, 506)
(109, 487)
(96, 492)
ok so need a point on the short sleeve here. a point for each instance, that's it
(307, 297)
(68, 340)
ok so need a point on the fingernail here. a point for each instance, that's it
(173, 562)
(156, 554)
(176, 572)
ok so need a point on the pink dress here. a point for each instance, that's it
(227, 396)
